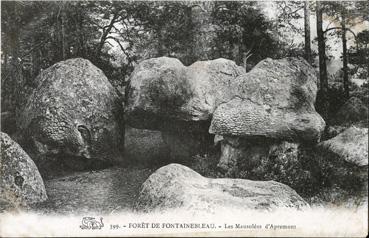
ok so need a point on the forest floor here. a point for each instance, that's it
(106, 191)
(115, 189)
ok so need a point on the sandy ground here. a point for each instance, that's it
(109, 190)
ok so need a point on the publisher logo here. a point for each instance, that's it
(91, 223)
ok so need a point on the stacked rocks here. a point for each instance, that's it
(179, 101)
(274, 103)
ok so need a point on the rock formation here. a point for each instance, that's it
(177, 186)
(165, 95)
(274, 103)
(344, 158)
(163, 91)
(20, 182)
(74, 111)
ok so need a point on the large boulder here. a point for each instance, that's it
(162, 91)
(344, 158)
(274, 103)
(74, 111)
(275, 100)
(177, 186)
(244, 118)
(165, 95)
(20, 182)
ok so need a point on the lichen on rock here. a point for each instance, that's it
(274, 100)
(74, 111)
(177, 186)
(20, 181)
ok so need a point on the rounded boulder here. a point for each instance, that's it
(177, 186)
(74, 111)
(20, 181)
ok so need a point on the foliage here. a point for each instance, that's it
(241, 28)
(116, 35)
(359, 55)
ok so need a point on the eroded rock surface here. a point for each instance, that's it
(177, 186)
(275, 100)
(20, 182)
(74, 111)
(241, 117)
(274, 104)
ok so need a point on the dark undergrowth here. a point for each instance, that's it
(308, 174)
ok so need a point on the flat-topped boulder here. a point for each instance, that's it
(179, 101)
(163, 91)
(177, 186)
(20, 181)
(274, 104)
(244, 118)
(275, 100)
(74, 111)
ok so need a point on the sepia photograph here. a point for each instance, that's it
(184, 118)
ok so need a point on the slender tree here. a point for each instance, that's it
(203, 32)
(307, 31)
(322, 60)
(288, 13)
(344, 54)
(346, 14)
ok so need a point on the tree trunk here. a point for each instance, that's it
(344, 56)
(80, 51)
(105, 34)
(160, 48)
(322, 63)
(5, 55)
(203, 32)
(307, 31)
(63, 34)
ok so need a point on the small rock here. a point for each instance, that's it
(344, 159)
(350, 146)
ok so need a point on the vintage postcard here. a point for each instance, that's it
(184, 118)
